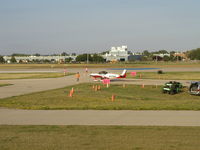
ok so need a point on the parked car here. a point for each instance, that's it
(194, 88)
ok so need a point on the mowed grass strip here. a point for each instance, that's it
(167, 75)
(132, 97)
(4, 84)
(8, 76)
(99, 137)
(140, 64)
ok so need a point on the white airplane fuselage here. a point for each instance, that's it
(108, 75)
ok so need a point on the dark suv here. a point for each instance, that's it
(172, 87)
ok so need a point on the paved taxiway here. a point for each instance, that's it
(99, 117)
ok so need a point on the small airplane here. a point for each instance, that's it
(105, 75)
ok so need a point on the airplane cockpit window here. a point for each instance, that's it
(103, 72)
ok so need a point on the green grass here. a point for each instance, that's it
(2, 84)
(99, 137)
(105, 65)
(8, 76)
(133, 97)
(167, 75)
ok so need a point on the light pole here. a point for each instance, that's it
(156, 59)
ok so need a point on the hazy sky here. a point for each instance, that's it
(54, 26)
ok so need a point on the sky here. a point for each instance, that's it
(81, 26)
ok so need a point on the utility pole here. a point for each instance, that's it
(156, 59)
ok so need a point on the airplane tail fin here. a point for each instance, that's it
(123, 75)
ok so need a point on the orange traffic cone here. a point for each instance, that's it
(113, 98)
(72, 90)
(99, 87)
(70, 93)
(142, 85)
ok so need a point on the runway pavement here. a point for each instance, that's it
(99, 117)
(25, 86)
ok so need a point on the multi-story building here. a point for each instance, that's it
(117, 54)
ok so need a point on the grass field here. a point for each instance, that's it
(99, 137)
(6, 76)
(167, 75)
(105, 65)
(133, 97)
(4, 84)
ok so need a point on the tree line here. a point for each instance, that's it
(152, 56)
(193, 54)
(91, 58)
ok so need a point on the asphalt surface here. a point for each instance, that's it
(25, 86)
(99, 117)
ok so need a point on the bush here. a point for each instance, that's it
(160, 72)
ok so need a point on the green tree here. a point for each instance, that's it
(46, 61)
(144, 58)
(166, 58)
(103, 53)
(2, 60)
(83, 58)
(178, 58)
(13, 60)
(64, 54)
(163, 52)
(36, 54)
(18, 54)
(172, 58)
(146, 53)
(73, 54)
(172, 53)
(67, 60)
(96, 58)
(194, 54)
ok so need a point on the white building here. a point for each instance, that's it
(117, 54)
(38, 58)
